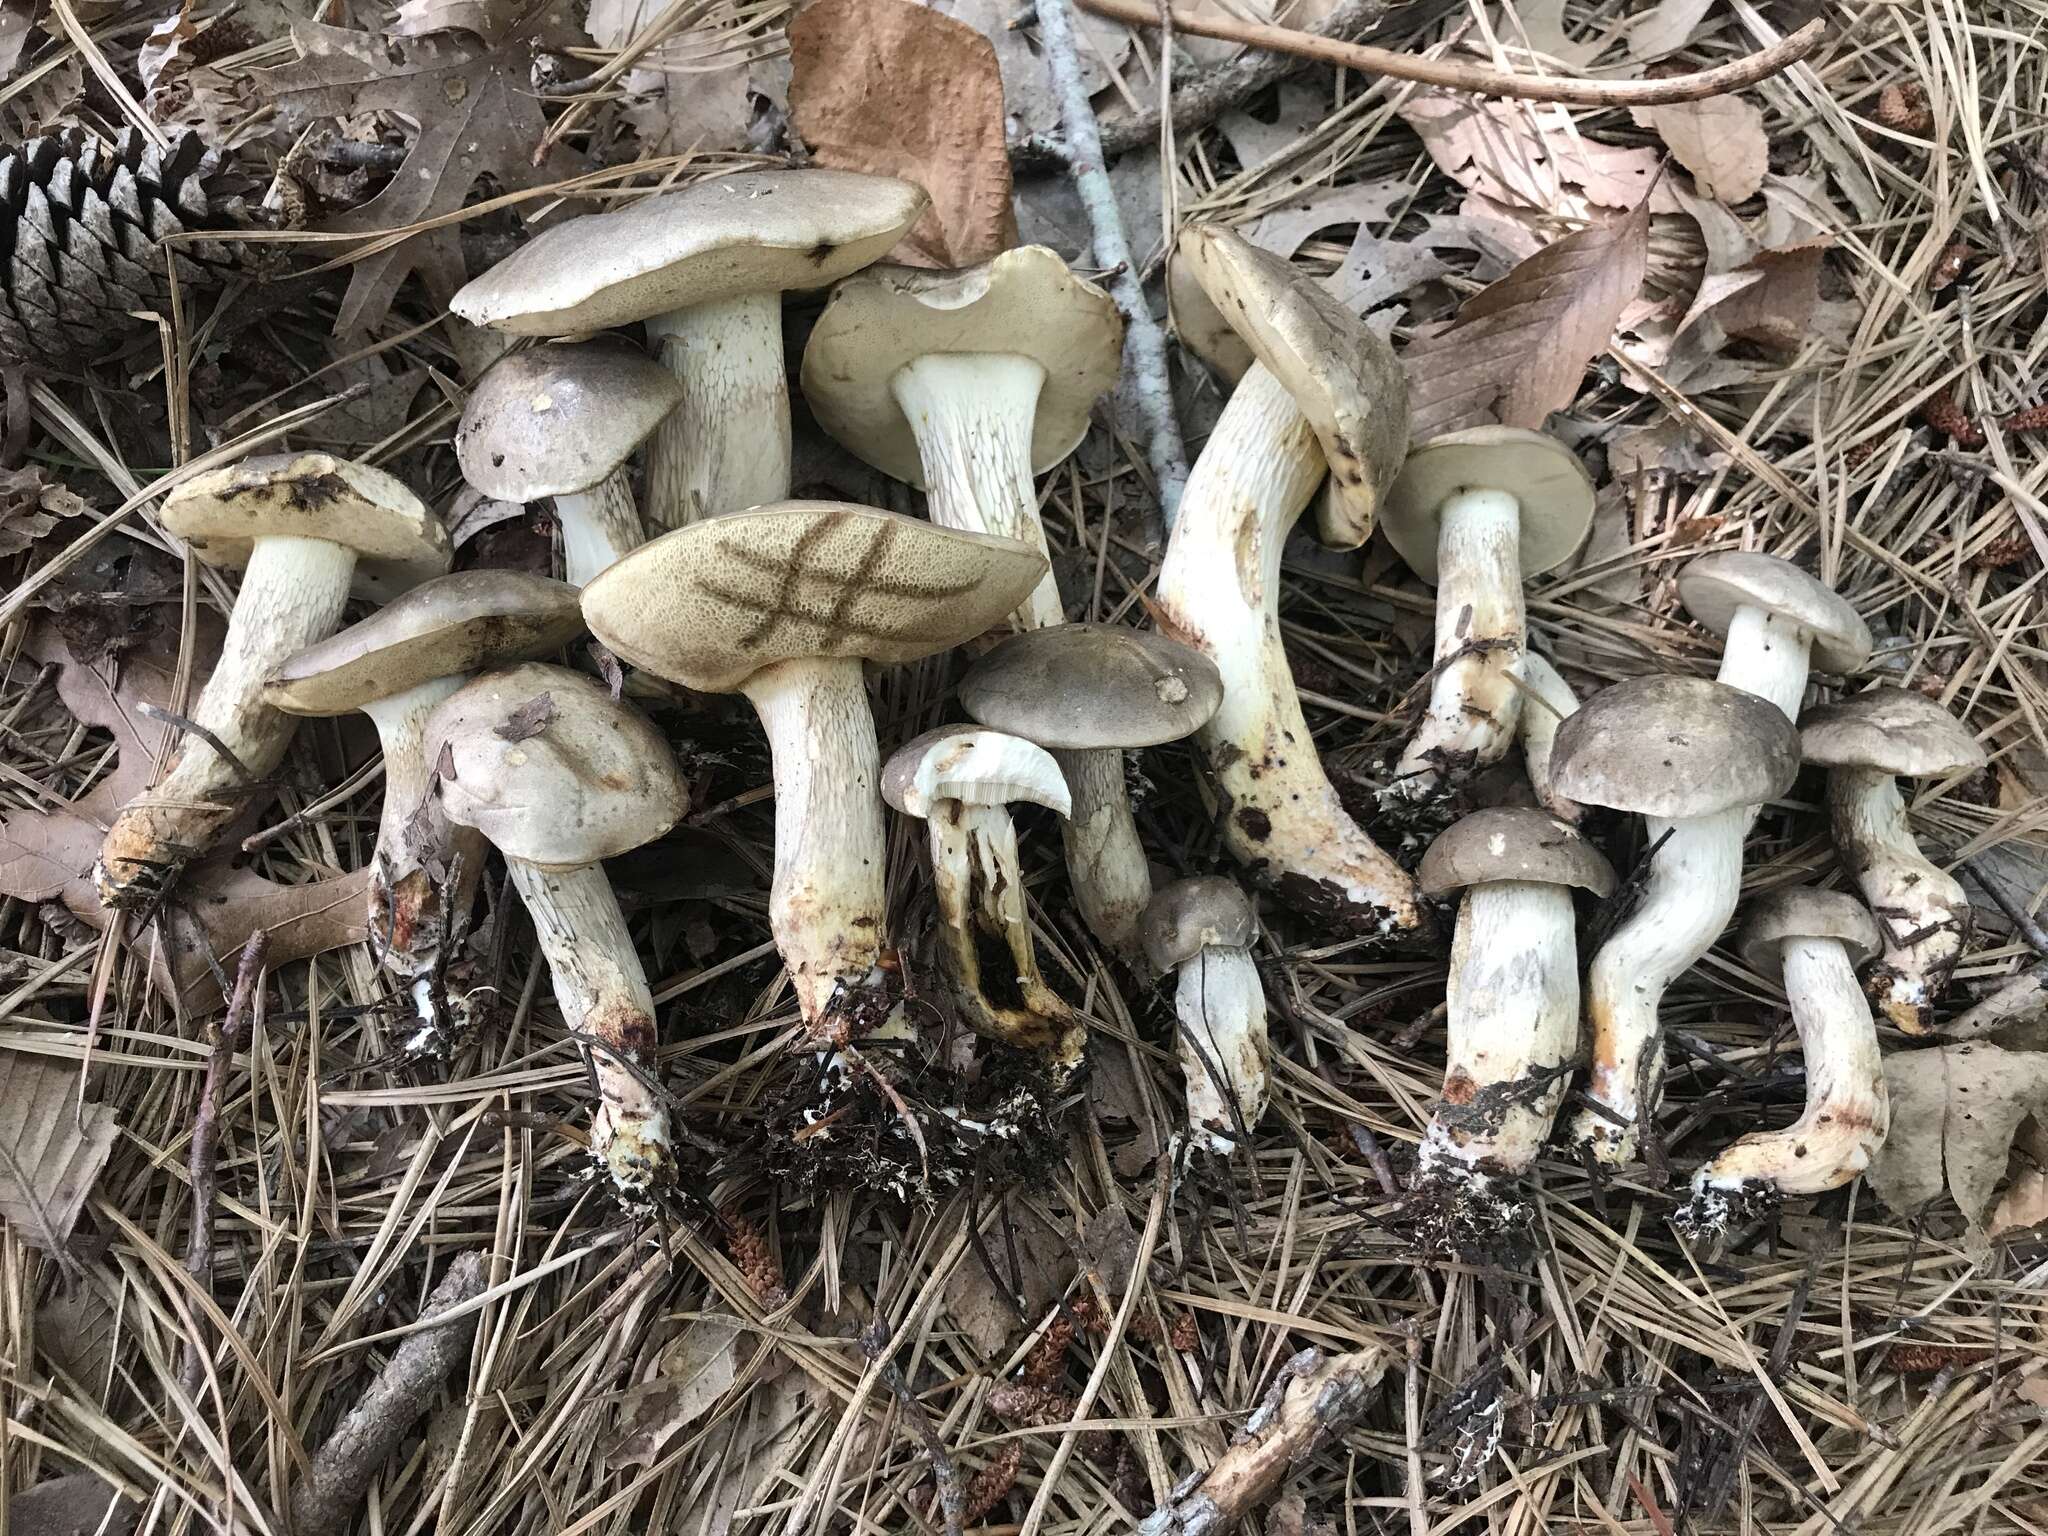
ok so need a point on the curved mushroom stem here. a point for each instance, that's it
(727, 446)
(600, 527)
(1221, 1004)
(1552, 704)
(973, 415)
(608, 1006)
(292, 594)
(1220, 592)
(1106, 862)
(1923, 912)
(1694, 881)
(1767, 656)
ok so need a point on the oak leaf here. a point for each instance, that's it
(1720, 140)
(1955, 1112)
(1527, 155)
(52, 1148)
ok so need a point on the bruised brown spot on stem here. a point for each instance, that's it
(1460, 1087)
(625, 1029)
(1254, 823)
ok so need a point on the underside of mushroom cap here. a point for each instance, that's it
(1714, 586)
(1805, 913)
(1545, 477)
(1890, 730)
(975, 766)
(559, 418)
(1515, 843)
(1079, 687)
(1675, 747)
(1200, 324)
(1192, 915)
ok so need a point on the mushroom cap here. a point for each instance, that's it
(1714, 586)
(1674, 747)
(1892, 730)
(559, 418)
(974, 766)
(1189, 916)
(1555, 492)
(1023, 303)
(1200, 324)
(1805, 913)
(398, 543)
(593, 781)
(711, 604)
(1512, 843)
(452, 624)
(1083, 686)
(724, 238)
(1343, 377)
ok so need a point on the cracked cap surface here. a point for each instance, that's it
(1892, 730)
(1714, 587)
(559, 418)
(1805, 913)
(1674, 747)
(1084, 686)
(1512, 843)
(1541, 473)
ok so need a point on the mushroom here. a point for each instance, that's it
(559, 775)
(705, 268)
(306, 529)
(1694, 759)
(1809, 942)
(1203, 928)
(1551, 702)
(959, 781)
(396, 666)
(1325, 394)
(1867, 743)
(1777, 622)
(783, 604)
(1476, 513)
(966, 384)
(1091, 692)
(563, 421)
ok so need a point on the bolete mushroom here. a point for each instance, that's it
(705, 268)
(1695, 759)
(1777, 623)
(306, 529)
(960, 782)
(1325, 395)
(1203, 929)
(966, 384)
(1867, 743)
(559, 775)
(1091, 692)
(783, 603)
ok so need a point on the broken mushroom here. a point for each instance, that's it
(1202, 928)
(1777, 623)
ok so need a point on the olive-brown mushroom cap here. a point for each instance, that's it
(452, 624)
(1891, 730)
(752, 232)
(1515, 843)
(1189, 916)
(1714, 586)
(1805, 913)
(1674, 747)
(559, 418)
(1541, 473)
(974, 766)
(1077, 687)
(711, 604)
(595, 779)
(1343, 377)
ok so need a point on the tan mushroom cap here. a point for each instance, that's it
(1079, 687)
(452, 624)
(1805, 913)
(559, 418)
(1343, 377)
(398, 542)
(1023, 303)
(1189, 916)
(753, 232)
(1674, 747)
(1714, 586)
(1892, 730)
(595, 780)
(710, 605)
(1200, 324)
(1512, 843)
(974, 766)
(1541, 473)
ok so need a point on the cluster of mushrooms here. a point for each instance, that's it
(967, 385)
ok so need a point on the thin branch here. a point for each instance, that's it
(874, 1343)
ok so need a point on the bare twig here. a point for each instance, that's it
(874, 1343)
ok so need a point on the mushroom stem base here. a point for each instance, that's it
(1922, 911)
(1221, 1004)
(727, 446)
(410, 907)
(1106, 862)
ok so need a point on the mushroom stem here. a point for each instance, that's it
(609, 1008)
(1923, 913)
(972, 414)
(1690, 892)
(1106, 865)
(826, 903)
(409, 915)
(1552, 703)
(727, 446)
(1767, 655)
(292, 594)
(1220, 592)
(600, 526)
(1221, 1003)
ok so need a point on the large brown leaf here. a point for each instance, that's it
(1954, 1115)
(52, 1148)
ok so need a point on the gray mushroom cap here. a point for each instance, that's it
(1083, 686)
(1713, 587)
(1674, 747)
(1891, 730)
(559, 418)
(1189, 916)
(1805, 913)
(1512, 843)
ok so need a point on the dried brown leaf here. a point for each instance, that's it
(1720, 140)
(529, 719)
(77, 1505)
(52, 1148)
(492, 20)
(1665, 26)
(1527, 156)
(1954, 1115)
(30, 506)
(696, 1369)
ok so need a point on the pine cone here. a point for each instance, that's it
(79, 227)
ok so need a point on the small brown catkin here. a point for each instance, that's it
(2033, 419)
(754, 1257)
(1948, 266)
(1940, 411)
(988, 1487)
(1047, 1361)
(1904, 109)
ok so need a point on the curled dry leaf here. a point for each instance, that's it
(1954, 1115)
(30, 506)
(1720, 140)
(1527, 156)
(52, 1148)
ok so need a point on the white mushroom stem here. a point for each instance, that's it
(826, 903)
(1106, 863)
(972, 414)
(1552, 704)
(727, 446)
(600, 527)
(1767, 656)
(1848, 1109)
(1694, 881)
(292, 594)
(1924, 915)
(1512, 1021)
(1220, 592)
(1222, 1008)
(410, 912)
(609, 1008)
